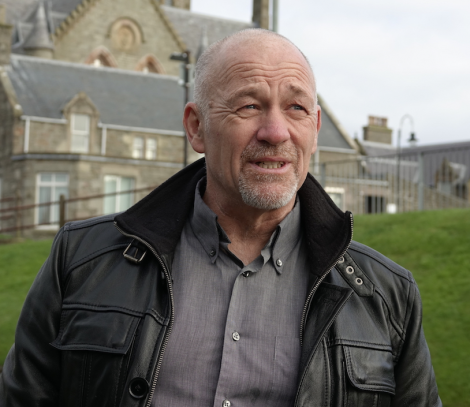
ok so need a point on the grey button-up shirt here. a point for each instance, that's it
(235, 339)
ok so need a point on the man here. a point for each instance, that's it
(235, 283)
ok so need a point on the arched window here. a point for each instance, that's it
(101, 57)
(150, 64)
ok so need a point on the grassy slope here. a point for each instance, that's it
(19, 264)
(435, 247)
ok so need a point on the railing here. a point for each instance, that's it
(414, 180)
(17, 218)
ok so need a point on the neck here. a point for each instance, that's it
(248, 228)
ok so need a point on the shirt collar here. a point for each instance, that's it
(211, 235)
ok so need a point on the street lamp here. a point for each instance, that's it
(412, 139)
(184, 58)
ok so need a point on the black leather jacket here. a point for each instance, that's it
(95, 324)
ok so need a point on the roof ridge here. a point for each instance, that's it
(167, 22)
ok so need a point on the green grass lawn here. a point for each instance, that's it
(19, 264)
(434, 246)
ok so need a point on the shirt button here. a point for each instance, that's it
(246, 274)
(212, 253)
(226, 403)
(279, 262)
(236, 336)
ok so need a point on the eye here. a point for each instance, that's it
(250, 107)
(297, 107)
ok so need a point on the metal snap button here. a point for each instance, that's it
(226, 403)
(246, 274)
(359, 281)
(138, 387)
(236, 336)
(341, 260)
(349, 270)
(279, 262)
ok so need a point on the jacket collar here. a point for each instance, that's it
(159, 218)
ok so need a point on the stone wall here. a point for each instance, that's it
(140, 32)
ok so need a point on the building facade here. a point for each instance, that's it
(91, 103)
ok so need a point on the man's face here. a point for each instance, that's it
(261, 126)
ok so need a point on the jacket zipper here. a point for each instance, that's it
(172, 312)
(315, 287)
(321, 339)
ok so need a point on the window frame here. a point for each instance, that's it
(118, 197)
(53, 209)
(85, 134)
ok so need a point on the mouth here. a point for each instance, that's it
(270, 164)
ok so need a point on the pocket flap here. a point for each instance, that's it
(370, 369)
(103, 331)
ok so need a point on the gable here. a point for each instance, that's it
(129, 33)
(332, 134)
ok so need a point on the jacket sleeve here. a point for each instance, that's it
(414, 374)
(31, 372)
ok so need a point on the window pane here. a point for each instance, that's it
(45, 177)
(44, 212)
(79, 143)
(151, 150)
(61, 178)
(80, 123)
(110, 185)
(138, 148)
(126, 200)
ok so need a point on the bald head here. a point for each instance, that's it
(207, 64)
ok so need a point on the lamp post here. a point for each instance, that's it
(412, 139)
(184, 58)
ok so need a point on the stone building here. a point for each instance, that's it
(90, 102)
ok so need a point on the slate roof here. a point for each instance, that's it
(23, 14)
(127, 98)
(190, 26)
(17, 8)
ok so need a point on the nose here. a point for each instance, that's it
(273, 128)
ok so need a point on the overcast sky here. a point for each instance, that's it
(381, 57)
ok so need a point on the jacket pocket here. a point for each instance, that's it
(103, 331)
(95, 351)
(370, 374)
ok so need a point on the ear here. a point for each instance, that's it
(314, 147)
(192, 121)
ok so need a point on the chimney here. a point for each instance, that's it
(377, 130)
(261, 13)
(5, 38)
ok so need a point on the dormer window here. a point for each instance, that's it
(80, 130)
